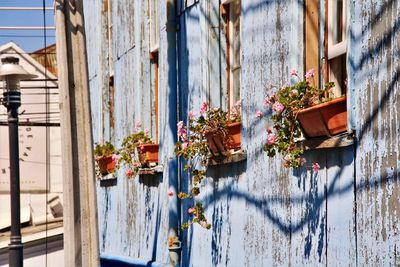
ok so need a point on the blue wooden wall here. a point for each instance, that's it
(261, 214)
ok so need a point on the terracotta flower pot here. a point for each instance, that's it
(219, 145)
(326, 119)
(215, 143)
(149, 153)
(106, 165)
(234, 135)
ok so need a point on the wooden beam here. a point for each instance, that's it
(332, 142)
(79, 186)
(311, 38)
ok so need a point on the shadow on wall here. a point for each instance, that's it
(315, 197)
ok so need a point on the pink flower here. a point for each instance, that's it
(138, 125)
(191, 210)
(293, 72)
(315, 167)
(203, 108)
(310, 74)
(141, 144)
(269, 99)
(114, 157)
(271, 138)
(238, 103)
(258, 114)
(233, 112)
(191, 115)
(128, 172)
(268, 130)
(278, 107)
(182, 133)
(170, 192)
(180, 125)
(146, 131)
(184, 145)
(184, 137)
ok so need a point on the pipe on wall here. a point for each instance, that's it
(173, 173)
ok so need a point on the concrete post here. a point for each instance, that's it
(80, 217)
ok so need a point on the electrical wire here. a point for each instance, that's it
(47, 119)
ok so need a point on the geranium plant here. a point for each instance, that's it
(105, 156)
(103, 150)
(129, 153)
(195, 146)
(286, 104)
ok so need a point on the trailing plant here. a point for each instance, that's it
(193, 146)
(285, 104)
(106, 159)
(129, 153)
(104, 150)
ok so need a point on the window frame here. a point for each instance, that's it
(227, 13)
(154, 45)
(109, 29)
(336, 51)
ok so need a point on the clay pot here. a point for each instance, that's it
(106, 165)
(148, 153)
(234, 140)
(219, 145)
(326, 119)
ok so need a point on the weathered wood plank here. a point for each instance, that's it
(375, 74)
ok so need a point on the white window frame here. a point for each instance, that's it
(110, 38)
(231, 62)
(154, 26)
(336, 50)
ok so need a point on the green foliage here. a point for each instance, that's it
(193, 146)
(104, 150)
(286, 129)
(129, 151)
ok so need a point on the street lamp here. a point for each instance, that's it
(11, 72)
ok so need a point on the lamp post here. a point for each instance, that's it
(11, 72)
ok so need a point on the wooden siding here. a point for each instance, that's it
(374, 72)
(261, 214)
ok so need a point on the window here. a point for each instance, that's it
(154, 26)
(110, 60)
(328, 56)
(109, 27)
(230, 10)
(154, 64)
(336, 45)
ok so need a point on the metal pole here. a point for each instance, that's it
(12, 100)
(173, 170)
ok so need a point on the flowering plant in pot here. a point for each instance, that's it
(204, 137)
(288, 104)
(138, 151)
(105, 156)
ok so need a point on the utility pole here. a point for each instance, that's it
(80, 217)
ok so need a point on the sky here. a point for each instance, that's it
(28, 40)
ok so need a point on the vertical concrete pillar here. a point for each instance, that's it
(80, 216)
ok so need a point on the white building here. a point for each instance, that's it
(40, 167)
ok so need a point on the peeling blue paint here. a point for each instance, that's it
(262, 215)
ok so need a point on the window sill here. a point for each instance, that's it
(108, 180)
(342, 140)
(151, 171)
(236, 156)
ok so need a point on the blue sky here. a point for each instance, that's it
(29, 40)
